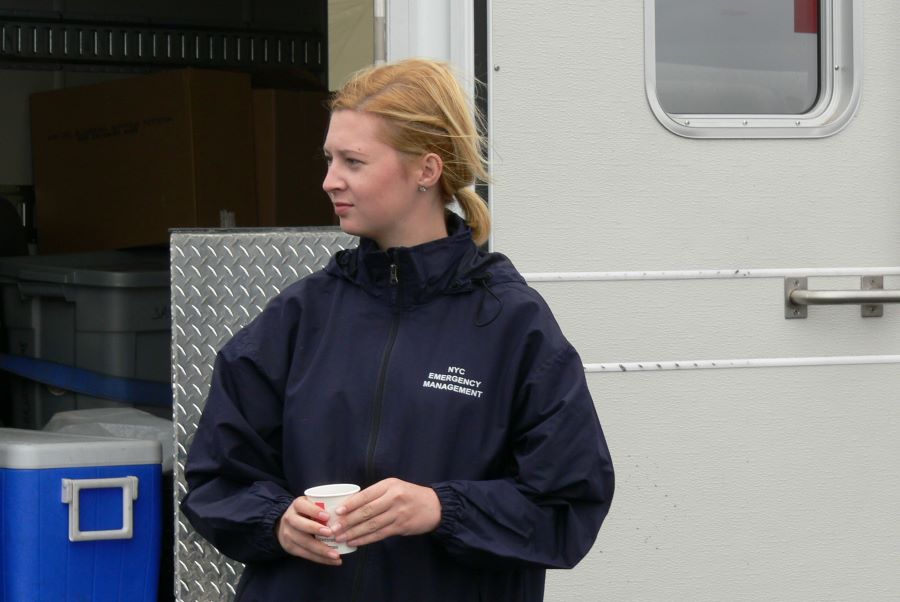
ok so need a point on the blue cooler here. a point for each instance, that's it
(79, 517)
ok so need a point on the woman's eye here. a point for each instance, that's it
(353, 162)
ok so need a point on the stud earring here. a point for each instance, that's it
(423, 189)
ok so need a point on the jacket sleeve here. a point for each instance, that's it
(548, 510)
(237, 491)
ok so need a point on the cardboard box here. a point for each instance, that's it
(289, 128)
(117, 164)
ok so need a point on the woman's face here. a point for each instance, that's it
(373, 187)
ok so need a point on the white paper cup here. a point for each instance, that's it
(329, 498)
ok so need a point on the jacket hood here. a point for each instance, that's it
(449, 265)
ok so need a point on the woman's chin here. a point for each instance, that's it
(348, 227)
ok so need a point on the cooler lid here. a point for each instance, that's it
(21, 448)
(112, 269)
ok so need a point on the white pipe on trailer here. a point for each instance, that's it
(380, 37)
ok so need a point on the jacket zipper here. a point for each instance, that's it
(376, 417)
(394, 279)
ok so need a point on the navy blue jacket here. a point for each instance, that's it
(436, 365)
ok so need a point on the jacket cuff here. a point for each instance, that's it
(267, 539)
(451, 509)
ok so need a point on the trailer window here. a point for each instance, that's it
(752, 68)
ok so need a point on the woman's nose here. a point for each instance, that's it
(332, 181)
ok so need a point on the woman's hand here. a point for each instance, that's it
(387, 508)
(297, 529)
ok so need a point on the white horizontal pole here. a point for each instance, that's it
(773, 362)
(707, 274)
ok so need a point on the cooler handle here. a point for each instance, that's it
(71, 489)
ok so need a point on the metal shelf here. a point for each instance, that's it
(31, 41)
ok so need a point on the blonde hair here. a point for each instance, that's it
(427, 112)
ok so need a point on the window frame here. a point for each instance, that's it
(840, 73)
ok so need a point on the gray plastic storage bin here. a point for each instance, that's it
(107, 312)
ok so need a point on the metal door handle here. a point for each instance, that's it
(871, 297)
(801, 297)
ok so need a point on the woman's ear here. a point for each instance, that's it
(432, 166)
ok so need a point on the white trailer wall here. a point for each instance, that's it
(768, 483)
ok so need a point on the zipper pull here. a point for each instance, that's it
(394, 279)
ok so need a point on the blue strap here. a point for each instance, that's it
(88, 382)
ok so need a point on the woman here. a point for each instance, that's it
(415, 365)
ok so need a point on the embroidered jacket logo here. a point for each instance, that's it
(454, 379)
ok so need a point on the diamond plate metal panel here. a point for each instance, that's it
(220, 281)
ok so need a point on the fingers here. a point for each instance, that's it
(371, 528)
(375, 505)
(304, 507)
(364, 497)
(364, 513)
(297, 529)
(390, 507)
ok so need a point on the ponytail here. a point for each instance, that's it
(477, 214)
